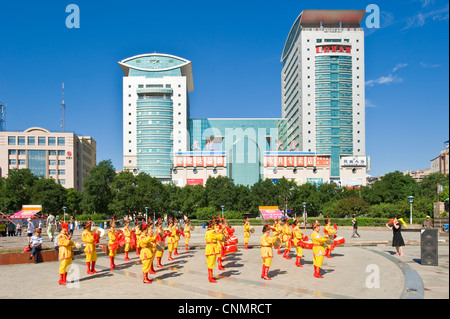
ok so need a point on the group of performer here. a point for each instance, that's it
(149, 240)
(282, 233)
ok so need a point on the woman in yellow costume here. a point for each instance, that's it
(267, 242)
(65, 252)
(160, 236)
(318, 249)
(279, 229)
(246, 233)
(90, 239)
(127, 234)
(153, 246)
(287, 235)
(298, 242)
(147, 240)
(221, 229)
(112, 246)
(177, 237)
(171, 239)
(212, 250)
(137, 231)
(330, 231)
(187, 233)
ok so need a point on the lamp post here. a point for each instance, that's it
(304, 213)
(223, 207)
(146, 214)
(411, 199)
(64, 210)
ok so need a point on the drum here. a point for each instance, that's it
(160, 245)
(330, 241)
(230, 249)
(252, 230)
(77, 245)
(232, 241)
(339, 241)
(307, 244)
(277, 243)
(192, 228)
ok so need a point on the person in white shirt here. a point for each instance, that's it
(30, 229)
(36, 245)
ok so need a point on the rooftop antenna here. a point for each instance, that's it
(63, 108)
(2, 117)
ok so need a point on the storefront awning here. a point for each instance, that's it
(28, 211)
(270, 212)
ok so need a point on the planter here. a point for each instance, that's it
(23, 257)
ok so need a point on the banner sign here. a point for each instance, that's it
(270, 212)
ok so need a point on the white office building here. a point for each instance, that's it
(323, 90)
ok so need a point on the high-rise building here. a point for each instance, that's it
(323, 87)
(155, 112)
(65, 157)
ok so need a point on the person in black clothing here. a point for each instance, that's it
(397, 240)
(355, 227)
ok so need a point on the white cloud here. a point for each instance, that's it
(427, 65)
(420, 18)
(399, 66)
(369, 103)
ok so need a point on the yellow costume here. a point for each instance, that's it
(279, 230)
(318, 251)
(90, 250)
(112, 247)
(171, 241)
(187, 234)
(287, 234)
(267, 242)
(298, 240)
(246, 233)
(177, 239)
(147, 242)
(138, 232)
(212, 250)
(65, 253)
(331, 231)
(127, 235)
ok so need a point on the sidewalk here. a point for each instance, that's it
(362, 268)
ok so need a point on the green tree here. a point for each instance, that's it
(220, 191)
(192, 197)
(124, 200)
(97, 192)
(351, 206)
(49, 194)
(16, 190)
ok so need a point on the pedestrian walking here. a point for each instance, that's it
(30, 229)
(19, 229)
(355, 227)
(51, 226)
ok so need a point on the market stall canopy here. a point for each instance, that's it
(28, 211)
(270, 212)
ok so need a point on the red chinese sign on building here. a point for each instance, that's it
(296, 161)
(334, 49)
(199, 161)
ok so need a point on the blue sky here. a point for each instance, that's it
(235, 49)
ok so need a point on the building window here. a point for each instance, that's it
(51, 141)
(31, 140)
(22, 152)
(12, 162)
(62, 182)
(41, 140)
(21, 140)
(61, 162)
(52, 153)
(12, 152)
(37, 161)
(22, 162)
(11, 140)
(52, 162)
(61, 141)
(61, 153)
(62, 172)
(52, 172)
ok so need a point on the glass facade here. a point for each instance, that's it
(154, 125)
(334, 121)
(37, 162)
(243, 140)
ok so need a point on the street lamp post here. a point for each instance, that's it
(223, 207)
(146, 214)
(411, 199)
(304, 213)
(64, 210)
